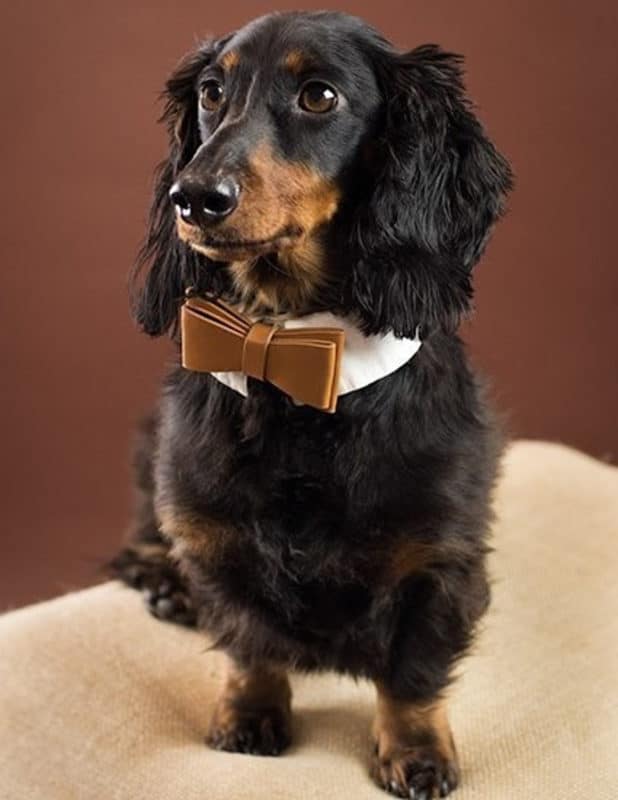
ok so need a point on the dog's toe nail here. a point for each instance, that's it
(164, 606)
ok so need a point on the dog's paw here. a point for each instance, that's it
(418, 773)
(264, 732)
(167, 600)
(147, 568)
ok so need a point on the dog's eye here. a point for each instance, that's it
(317, 97)
(211, 94)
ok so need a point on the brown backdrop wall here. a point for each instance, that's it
(78, 144)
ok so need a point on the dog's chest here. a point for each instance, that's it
(288, 513)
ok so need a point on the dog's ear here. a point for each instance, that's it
(169, 264)
(438, 187)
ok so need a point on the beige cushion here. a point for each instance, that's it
(98, 701)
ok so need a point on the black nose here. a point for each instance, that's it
(200, 202)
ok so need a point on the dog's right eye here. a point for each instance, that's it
(211, 95)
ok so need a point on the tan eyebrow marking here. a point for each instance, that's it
(296, 61)
(230, 59)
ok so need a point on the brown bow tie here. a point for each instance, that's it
(302, 362)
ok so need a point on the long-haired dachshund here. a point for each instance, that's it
(313, 168)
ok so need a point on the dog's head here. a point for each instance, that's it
(311, 165)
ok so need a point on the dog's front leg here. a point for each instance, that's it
(253, 711)
(415, 754)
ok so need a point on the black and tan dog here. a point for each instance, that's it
(313, 167)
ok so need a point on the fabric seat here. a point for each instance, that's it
(99, 701)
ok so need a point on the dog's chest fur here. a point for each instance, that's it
(296, 527)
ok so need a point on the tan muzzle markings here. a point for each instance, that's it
(304, 363)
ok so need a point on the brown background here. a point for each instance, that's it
(78, 144)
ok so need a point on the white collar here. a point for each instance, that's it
(366, 359)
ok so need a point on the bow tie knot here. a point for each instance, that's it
(255, 350)
(303, 363)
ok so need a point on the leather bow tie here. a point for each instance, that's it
(302, 362)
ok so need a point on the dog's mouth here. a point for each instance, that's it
(229, 249)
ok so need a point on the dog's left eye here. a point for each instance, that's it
(211, 94)
(317, 97)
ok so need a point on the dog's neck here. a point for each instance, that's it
(284, 285)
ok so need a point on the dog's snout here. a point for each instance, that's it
(203, 202)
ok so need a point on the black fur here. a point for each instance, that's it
(310, 507)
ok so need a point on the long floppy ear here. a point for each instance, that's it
(439, 187)
(171, 265)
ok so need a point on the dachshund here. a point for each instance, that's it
(314, 168)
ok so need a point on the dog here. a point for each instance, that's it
(313, 169)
